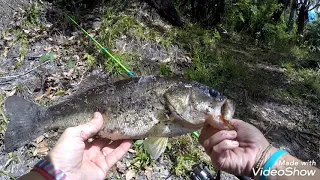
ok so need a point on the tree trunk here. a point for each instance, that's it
(208, 12)
(302, 18)
(292, 15)
(167, 10)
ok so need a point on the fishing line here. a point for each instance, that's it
(130, 73)
(101, 47)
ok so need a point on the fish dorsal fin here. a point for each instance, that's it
(89, 81)
(155, 146)
(93, 79)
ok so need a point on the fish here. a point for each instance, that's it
(152, 108)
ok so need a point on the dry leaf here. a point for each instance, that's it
(132, 151)
(51, 97)
(69, 73)
(148, 172)
(188, 59)
(26, 31)
(42, 148)
(48, 48)
(121, 167)
(128, 163)
(56, 48)
(166, 60)
(8, 38)
(43, 151)
(5, 52)
(39, 139)
(42, 144)
(11, 93)
(71, 38)
(39, 97)
(35, 152)
(46, 135)
(48, 91)
(130, 174)
(76, 57)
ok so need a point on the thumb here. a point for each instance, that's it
(91, 128)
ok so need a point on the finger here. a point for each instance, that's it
(217, 138)
(99, 144)
(224, 145)
(90, 128)
(206, 132)
(218, 161)
(100, 161)
(94, 148)
(236, 123)
(109, 148)
(118, 153)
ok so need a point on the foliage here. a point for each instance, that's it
(255, 19)
(90, 59)
(48, 57)
(185, 152)
(142, 159)
(313, 36)
(3, 117)
(207, 13)
(33, 13)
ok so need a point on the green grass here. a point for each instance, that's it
(142, 159)
(21, 39)
(33, 14)
(165, 70)
(3, 117)
(127, 59)
(7, 174)
(185, 152)
(305, 84)
(3, 126)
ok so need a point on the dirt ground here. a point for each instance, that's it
(294, 127)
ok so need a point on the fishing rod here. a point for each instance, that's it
(102, 48)
(130, 73)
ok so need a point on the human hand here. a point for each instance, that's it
(235, 151)
(79, 159)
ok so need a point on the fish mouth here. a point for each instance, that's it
(221, 117)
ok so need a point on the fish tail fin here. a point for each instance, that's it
(155, 146)
(24, 122)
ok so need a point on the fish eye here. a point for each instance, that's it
(214, 93)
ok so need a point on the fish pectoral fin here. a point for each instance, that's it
(155, 146)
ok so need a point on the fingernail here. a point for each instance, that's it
(232, 133)
(206, 143)
(96, 115)
(236, 143)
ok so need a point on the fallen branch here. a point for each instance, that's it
(311, 134)
(10, 78)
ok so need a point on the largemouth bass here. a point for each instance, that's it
(152, 108)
